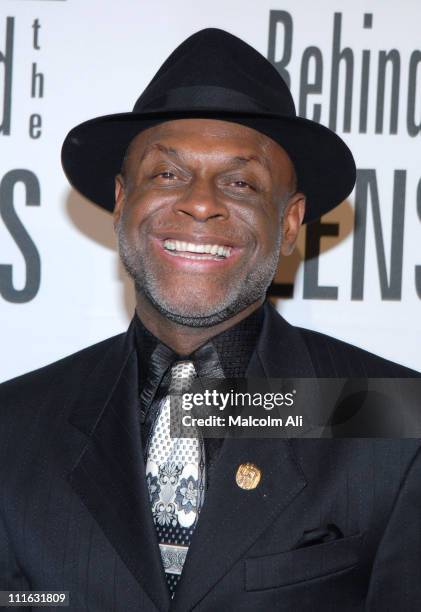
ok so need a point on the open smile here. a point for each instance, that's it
(198, 253)
(190, 250)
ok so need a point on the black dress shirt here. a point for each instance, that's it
(226, 355)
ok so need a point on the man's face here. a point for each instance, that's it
(201, 213)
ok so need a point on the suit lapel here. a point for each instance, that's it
(233, 518)
(109, 476)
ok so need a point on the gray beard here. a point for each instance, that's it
(241, 293)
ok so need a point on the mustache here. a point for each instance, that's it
(200, 229)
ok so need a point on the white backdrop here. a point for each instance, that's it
(65, 61)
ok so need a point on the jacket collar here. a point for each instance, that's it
(281, 351)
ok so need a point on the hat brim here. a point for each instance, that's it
(93, 152)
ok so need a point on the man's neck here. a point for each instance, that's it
(181, 338)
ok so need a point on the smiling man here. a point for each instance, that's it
(209, 179)
(200, 206)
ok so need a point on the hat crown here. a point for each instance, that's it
(213, 69)
(214, 75)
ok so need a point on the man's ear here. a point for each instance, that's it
(292, 220)
(119, 198)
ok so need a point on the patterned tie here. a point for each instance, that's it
(175, 473)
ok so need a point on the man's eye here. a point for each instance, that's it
(243, 184)
(166, 175)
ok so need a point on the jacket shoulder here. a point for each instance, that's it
(333, 357)
(65, 372)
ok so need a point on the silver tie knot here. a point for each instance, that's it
(182, 375)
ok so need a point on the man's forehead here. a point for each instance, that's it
(217, 128)
(241, 143)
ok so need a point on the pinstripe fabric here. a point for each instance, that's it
(75, 515)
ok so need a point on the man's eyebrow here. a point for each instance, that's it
(160, 147)
(241, 160)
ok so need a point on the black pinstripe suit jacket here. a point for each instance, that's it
(75, 514)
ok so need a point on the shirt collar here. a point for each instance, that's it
(225, 355)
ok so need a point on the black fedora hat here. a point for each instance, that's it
(214, 74)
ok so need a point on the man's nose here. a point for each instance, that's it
(201, 202)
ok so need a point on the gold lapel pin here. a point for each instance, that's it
(248, 476)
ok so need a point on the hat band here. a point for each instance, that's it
(201, 98)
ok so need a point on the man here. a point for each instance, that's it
(214, 175)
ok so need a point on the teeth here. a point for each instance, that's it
(213, 249)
